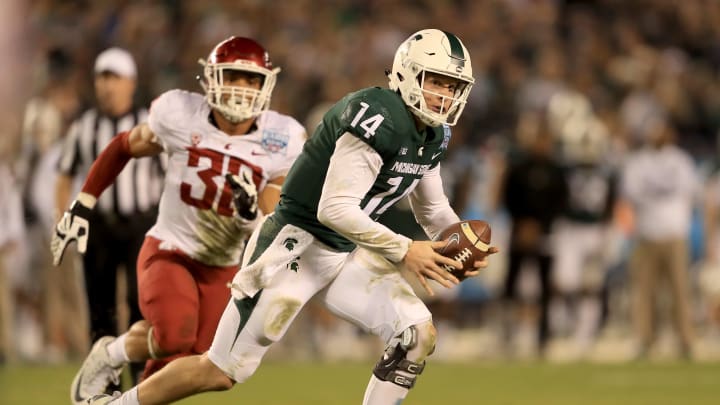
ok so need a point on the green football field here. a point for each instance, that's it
(442, 384)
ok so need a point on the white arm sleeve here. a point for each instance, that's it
(430, 205)
(353, 169)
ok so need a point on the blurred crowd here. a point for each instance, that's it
(625, 87)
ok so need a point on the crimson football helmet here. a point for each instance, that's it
(233, 102)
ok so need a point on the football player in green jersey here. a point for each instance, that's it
(372, 148)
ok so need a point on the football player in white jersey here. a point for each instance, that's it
(584, 230)
(373, 147)
(227, 157)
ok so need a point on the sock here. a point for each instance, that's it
(380, 392)
(588, 321)
(127, 398)
(116, 350)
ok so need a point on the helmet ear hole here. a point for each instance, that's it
(400, 77)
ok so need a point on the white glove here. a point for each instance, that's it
(73, 226)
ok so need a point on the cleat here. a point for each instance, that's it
(95, 375)
(102, 399)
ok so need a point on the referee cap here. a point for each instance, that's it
(116, 60)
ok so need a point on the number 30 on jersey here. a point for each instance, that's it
(202, 194)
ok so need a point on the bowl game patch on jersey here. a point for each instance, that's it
(274, 141)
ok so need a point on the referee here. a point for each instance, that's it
(127, 209)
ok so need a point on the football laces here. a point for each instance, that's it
(463, 255)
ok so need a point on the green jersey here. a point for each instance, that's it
(379, 118)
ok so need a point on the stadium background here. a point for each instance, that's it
(630, 59)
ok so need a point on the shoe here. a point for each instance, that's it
(687, 352)
(102, 399)
(95, 374)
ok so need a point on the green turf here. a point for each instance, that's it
(441, 384)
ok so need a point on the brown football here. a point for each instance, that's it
(467, 242)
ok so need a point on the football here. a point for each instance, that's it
(467, 242)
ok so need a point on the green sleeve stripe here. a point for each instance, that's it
(456, 49)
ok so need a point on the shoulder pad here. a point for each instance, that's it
(281, 134)
(378, 117)
(173, 107)
(278, 119)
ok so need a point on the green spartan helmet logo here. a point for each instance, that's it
(290, 243)
(293, 265)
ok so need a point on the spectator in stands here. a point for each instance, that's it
(46, 119)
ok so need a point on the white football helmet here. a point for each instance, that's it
(565, 107)
(438, 52)
(585, 140)
(240, 103)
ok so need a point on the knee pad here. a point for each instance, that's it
(394, 365)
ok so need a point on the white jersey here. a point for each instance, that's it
(196, 209)
(663, 185)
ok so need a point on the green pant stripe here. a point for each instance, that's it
(245, 306)
(269, 231)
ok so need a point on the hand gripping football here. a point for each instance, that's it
(467, 242)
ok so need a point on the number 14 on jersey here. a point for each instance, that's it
(371, 124)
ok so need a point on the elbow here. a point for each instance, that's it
(322, 216)
(331, 214)
(325, 214)
(329, 219)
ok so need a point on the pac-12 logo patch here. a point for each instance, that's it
(274, 141)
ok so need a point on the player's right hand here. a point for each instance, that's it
(73, 226)
(423, 260)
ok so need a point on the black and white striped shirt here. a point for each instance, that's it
(138, 187)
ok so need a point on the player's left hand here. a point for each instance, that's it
(423, 260)
(245, 195)
(481, 264)
(73, 226)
